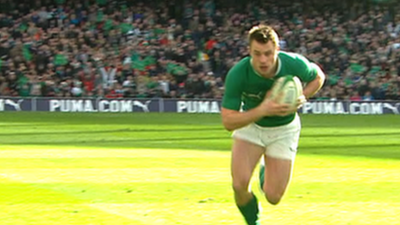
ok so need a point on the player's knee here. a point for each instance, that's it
(273, 200)
(273, 197)
(240, 186)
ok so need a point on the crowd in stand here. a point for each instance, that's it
(183, 49)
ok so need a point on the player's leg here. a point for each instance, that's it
(277, 176)
(245, 156)
(278, 160)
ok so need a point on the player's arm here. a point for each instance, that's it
(309, 73)
(313, 86)
(232, 117)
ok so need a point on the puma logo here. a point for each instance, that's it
(16, 105)
(394, 108)
(144, 107)
(259, 95)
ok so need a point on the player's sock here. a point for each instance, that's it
(262, 176)
(250, 211)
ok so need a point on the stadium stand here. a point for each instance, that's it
(183, 49)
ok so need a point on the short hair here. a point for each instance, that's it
(263, 34)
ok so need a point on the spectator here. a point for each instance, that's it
(367, 96)
(120, 46)
(355, 96)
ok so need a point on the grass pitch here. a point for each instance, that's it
(145, 169)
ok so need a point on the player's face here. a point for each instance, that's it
(264, 57)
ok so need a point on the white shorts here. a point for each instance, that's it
(279, 142)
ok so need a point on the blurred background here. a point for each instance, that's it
(183, 49)
(172, 56)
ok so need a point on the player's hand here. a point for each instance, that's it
(271, 107)
(300, 101)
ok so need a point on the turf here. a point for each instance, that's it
(58, 168)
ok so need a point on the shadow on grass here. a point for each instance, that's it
(383, 150)
(166, 131)
(125, 130)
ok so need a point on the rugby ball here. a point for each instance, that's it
(287, 90)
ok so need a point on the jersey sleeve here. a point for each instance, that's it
(304, 69)
(232, 98)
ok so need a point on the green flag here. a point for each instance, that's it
(26, 53)
(179, 71)
(108, 25)
(158, 31)
(374, 70)
(357, 67)
(23, 27)
(139, 65)
(348, 81)
(60, 60)
(135, 56)
(333, 79)
(149, 60)
(125, 27)
(170, 67)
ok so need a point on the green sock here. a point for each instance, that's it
(261, 174)
(250, 211)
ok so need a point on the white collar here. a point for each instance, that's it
(279, 66)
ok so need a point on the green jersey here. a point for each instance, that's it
(245, 89)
